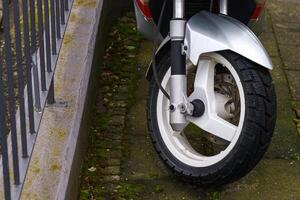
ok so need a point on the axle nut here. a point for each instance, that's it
(199, 108)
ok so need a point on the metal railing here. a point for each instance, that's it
(31, 39)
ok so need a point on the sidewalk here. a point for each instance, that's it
(278, 175)
(285, 17)
(129, 167)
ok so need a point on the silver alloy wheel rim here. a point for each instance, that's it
(177, 144)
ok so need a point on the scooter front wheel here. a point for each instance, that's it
(234, 132)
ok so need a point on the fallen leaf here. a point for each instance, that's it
(92, 169)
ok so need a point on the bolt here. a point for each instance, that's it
(172, 108)
(182, 107)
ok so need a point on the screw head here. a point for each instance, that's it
(182, 107)
(172, 108)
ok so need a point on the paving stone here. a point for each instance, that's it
(111, 162)
(285, 16)
(294, 83)
(287, 37)
(114, 135)
(136, 123)
(121, 96)
(117, 121)
(107, 143)
(109, 153)
(291, 65)
(284, 10)
(267, 24)
(267, 37)
(271, 179)
(111, 170)
(112, 178)
(271, 48)
(118, 111)
(269, 42)
(289, 26)
(285, 143)
(290, 53)
(124, 88)
(118, 104)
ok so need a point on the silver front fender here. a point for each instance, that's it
(207, 32)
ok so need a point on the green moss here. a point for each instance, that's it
(294, 105)
(35, 166)
(153, 175)
(214, 196)
(198, 140)
(84, 194)
(102, 120)
(128, 191)
(58, 133)
(55, 167)
(74, 18)
(159, 189)
(36, 169)
(31, 196)
(56, 152)
(86, 3)
(67, 39)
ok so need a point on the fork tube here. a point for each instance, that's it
(224, 7)
(178, 67)
(178, 10)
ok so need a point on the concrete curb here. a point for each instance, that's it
(61, 142)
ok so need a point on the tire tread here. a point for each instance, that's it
(258, 127)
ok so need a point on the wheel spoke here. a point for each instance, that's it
(216, 126)
(204, 90)
(204, 80)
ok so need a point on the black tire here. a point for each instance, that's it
(257, 131)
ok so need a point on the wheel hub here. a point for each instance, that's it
(199, 108)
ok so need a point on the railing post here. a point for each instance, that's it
(18, 41)
(11, 91)
(27, 52)
(36, 83)
(4, 152)
(51, 97)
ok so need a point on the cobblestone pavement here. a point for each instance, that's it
(285, 18)
(130, 169)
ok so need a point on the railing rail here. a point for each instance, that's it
(32, 40)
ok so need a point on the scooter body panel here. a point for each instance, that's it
(207, 32)
(146, 27)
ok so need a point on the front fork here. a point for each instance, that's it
(180, 107)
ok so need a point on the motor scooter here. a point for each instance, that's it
(211, 105)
